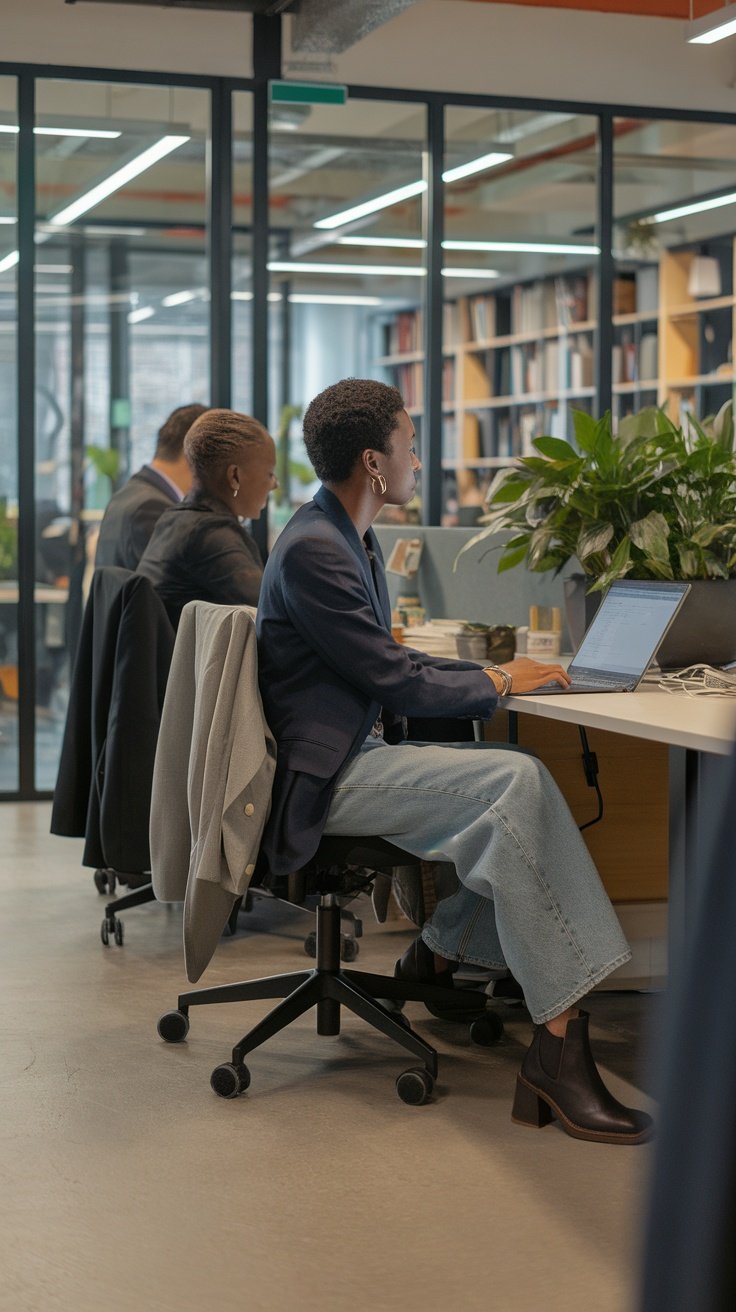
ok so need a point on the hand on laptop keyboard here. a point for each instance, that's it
(528, 675)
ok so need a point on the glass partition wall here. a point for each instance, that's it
(129, 302)
(122, 328)
(9, 684)
(346, 266)
(521, 267)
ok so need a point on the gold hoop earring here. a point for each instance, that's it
(381, 483)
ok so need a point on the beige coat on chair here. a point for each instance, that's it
(213, 774)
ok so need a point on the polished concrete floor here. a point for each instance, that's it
(125, 1183)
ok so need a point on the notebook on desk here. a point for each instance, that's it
(622, 639)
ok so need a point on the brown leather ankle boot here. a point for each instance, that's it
(559, 1077)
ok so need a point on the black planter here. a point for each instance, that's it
(704, 629)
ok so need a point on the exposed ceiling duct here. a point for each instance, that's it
(323, 27)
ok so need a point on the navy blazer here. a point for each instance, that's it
(328, 665)
(130, 518)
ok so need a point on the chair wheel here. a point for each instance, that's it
(310, 944)
(415, 1086)
(173, 1026)
(100, 878)
(119, 932)
(349, 947)
(228, 1080)
(105, 932)
(487, 1030)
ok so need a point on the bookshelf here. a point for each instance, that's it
(517, 359)
(696, 369)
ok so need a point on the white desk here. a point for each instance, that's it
(701, 724)
(700, 733)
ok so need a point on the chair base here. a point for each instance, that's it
(112, 926)
(328, 987)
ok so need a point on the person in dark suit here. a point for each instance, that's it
(132, 513)
(199, 550)
(335, 686)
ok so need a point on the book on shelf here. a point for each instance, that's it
(624, 294)
(528, 424)
(582, 364)
(482, 317)
(410, 380)
(647, 289)
(572, 299)
(454, 321)
(649, 356)
(448, 379)
(405, 333)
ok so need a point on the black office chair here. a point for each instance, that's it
(377, 999)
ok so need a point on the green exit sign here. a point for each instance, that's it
(307, 93)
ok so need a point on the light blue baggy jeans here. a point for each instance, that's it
(530, 896)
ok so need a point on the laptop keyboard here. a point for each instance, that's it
(580, 682)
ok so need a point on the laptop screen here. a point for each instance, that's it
(628, 627)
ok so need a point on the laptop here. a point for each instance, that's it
(623, 637)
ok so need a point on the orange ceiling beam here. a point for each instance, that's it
(682, 9)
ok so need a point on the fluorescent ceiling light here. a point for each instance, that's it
(116, 180)
(522, 247)
(63, 132)
(403, 243)
(145, 312)
(7, 219)
(305, 298)
(110, 230)
(712, 27)
(470, 273)
(180, 298)
(370, 206)
(697, 207)
(384, 270)
(9, 261)
(477, 165)
(412, 189)
(52, 268)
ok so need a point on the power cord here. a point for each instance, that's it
(590, 767)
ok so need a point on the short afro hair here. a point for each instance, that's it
(218, 438)
(173, 430)
(344, 420)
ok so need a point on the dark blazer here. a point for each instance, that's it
(131, 517)
(328, 664)
(103, 789)
(200, 552)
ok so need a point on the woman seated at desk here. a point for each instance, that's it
(199, 550)
(335, 685)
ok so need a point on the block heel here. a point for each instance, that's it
(529, 1108)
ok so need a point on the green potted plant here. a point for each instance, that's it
(653, 501)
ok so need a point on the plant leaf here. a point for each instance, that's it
(651, 535)
(511, 558)
(592, 539)
(555, 448)
(584, 426)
